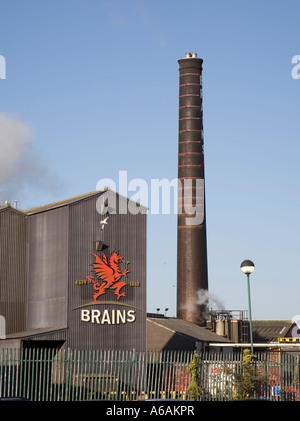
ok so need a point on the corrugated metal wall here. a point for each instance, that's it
(48, 269)
(125, 233)
(61, 240)
(13, 268)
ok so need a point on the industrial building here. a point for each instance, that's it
(73, 273)
(170, 333)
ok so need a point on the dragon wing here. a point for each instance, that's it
(102, 269)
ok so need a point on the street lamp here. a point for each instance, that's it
(248, 267)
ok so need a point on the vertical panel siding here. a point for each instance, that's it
(126, 234)
(13, 269)
(60, 242)
(48, 266)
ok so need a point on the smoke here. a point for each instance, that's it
(203, 297)
(15, 139)
(21, 165)
(208, 299)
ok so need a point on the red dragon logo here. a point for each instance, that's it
(110, 273)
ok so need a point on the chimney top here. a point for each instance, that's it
(190, 55)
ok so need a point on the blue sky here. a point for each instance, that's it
(91, 89)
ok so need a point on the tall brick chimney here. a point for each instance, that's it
(192, 277)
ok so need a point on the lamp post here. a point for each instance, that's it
(248, 267)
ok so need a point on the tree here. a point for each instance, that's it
(195, 389)
(245, 381)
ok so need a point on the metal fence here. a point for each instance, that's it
(274, 376)
(69, 375)
(75, 375)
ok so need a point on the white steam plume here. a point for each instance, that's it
(203, 297)
(15, 139)
(21, 166)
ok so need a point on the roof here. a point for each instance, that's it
(177, 334)
(75, 199)
(61, 203)
(8, 206)
(268, 331)
(29, 334)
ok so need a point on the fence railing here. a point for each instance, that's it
(274, 375)
(75, 375)
(64, 375)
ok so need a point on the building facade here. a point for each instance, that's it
(73, 273)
